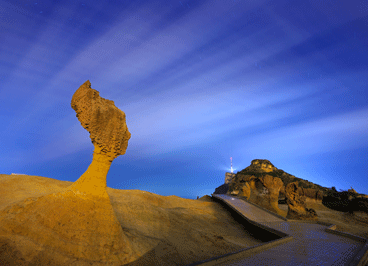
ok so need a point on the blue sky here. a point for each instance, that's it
(199, 81)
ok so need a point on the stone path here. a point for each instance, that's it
(309, 243)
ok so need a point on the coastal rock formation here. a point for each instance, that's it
(313, 193)
(245, 191)
(259, 165)
(108, 132)
(264, 191)
(295, 200)
(223, 189)
(79, 222)
(163, 230)
(229, 177)
(352, 191)
(282, 192)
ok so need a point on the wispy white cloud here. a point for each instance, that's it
(321, 135)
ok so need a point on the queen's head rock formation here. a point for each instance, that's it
(108, 132)
(79, 223)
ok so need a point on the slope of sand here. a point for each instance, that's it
(356, 224)
(162, 230)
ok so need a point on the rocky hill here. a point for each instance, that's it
(261, 168)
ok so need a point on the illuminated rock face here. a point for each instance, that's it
(79, 222)
(295, 200)
(263, 190)
(229, 177)
(108, 132)
(259, 165)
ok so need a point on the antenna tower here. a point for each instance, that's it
(231, 158)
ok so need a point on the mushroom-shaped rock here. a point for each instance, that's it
(108, 132)
(295, 200)
(79, 223)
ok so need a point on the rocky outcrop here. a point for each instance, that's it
(108, 132)
(245, 191)
(229, 177)
(352, 191)
(345, 201)
(295, 199)
(260, 166)
(79, 222)
(314, 194)
(223, 189)
(263, 190)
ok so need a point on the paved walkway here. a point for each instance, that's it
(311, 244)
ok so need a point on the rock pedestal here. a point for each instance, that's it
(79, 222)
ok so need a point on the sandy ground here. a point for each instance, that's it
(170, 230)
(356, 224)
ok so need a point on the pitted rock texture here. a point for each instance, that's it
(296, 201)
(79, 222)
(108, 132)
(103, 120)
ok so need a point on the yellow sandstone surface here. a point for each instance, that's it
(48, 222)
(39, 228)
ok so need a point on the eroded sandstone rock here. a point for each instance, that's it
(264, 191)
(79, 222)
(295, 200)
(245, 191)
(108, 132)
(259, 165)
(314, 194)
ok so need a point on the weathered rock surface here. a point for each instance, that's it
(80, 222)
(262, 190)
(313, 193)
(258, 165)
(295, 200)
(245, 191)
(162, 230)
(108, 132)
(229, 177)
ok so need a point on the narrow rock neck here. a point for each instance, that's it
(93, 181)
